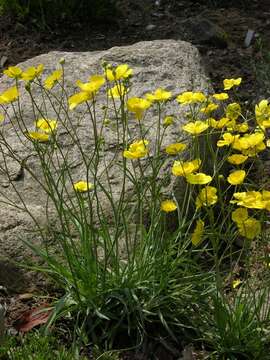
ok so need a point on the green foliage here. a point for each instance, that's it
(36, 346)
(50, 12)
(237, 327)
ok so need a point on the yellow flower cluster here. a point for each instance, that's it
(231, 131)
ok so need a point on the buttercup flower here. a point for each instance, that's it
(46, 125)
(40, 137)
(228, 139)
(250, 228)
(242, 128)
(218, 124)
(52, 79)
(206, 197)
(120, 72)
(117, 91)
(138, 106)
(198, 179)
(262, 113)
(137, 150)
(94, 84)
(190, 97)
(250, 144)
(209, 108)
(32, 72)
(236, 283)
(175, 148)
(236, 177)
(221, 96)
(197, 234)
(82, 186)
(195, 128)
(9, 95)
(239, 215)
(13, 72)
(181, 168)
(159, 95)
(233, 111)
(168, 206)
(78, 98)
(168, 120)
(229, 83)
(237, 159)
(250, 199)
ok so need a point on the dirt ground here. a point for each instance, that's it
(157, 19)
(223, 56)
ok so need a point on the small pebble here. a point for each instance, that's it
(150, 27)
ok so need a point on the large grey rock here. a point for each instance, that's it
(172, 65)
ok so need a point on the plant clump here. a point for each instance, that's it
(160, 286)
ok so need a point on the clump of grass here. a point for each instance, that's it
(165, 281)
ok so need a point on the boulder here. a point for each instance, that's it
(173, 65)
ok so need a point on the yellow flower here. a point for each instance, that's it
(1, 118)
(250, 144)
(137, 150)
(236, 283)
(239, 215)
(46, 125)
(253, 151)
(198, 179)
(175, 148)
(228, 139)
(195, 128)
(218, 124)
(138, 106)
(13, 72)
(78, 98)
(120, 72)
(82, 186)
(237, 159)
(236, 177)
(206, 197)
(251, 140)
(209, 108)
(52, 79)
(181, 168)
(229, 83)
(233, 111)
(168, 206)
(117, 91)
(221, 96)
(159, 95)
(250, 199)
(40, 137)
(32, 72)
(168, 120)
(262, 113)
(190, 97)
(250, 228)
(94, 84)
(9, 95)
(242, 128)
(197, 234)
